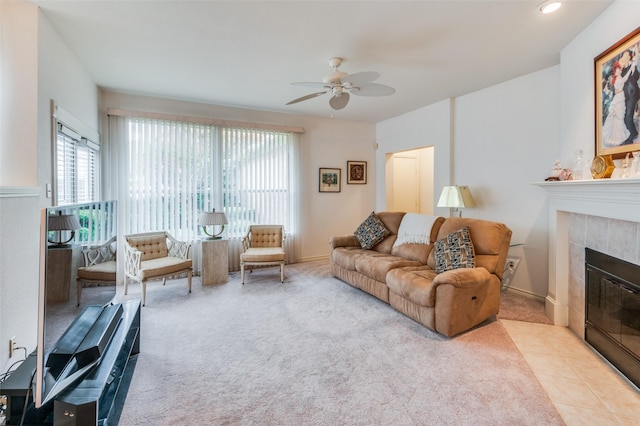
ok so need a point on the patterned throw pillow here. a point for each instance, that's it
(371, 231)
(455, 251)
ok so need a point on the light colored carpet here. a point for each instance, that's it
(315, 351)
(518, 307)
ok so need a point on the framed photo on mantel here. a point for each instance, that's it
(329, 179)
(617, 94)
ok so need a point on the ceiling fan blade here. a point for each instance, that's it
(339, 101)
(316, 84)
(304, 98)
(373, 89)
(361, 78)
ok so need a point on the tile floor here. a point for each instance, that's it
(583, 387)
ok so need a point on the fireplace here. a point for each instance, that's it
(612, 325)
(612, 211)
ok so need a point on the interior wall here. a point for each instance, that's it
(19, 91)
(55, 73)
(577, 95)
(428, 126)
(63, 79)
(19, 214)
(498, 141)
(506, 138)
(326, 142)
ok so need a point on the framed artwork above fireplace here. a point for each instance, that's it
(617, 94)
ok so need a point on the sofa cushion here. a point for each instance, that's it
(376, 265)
(413, 283)
(263, 254)
(346, 256)
(371, 231)
(455, 251)
(163, 266)
(105, 271)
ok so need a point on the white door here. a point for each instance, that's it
(406, 184)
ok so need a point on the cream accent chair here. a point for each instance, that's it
(155, 255)
(99, 266)
(263, 246)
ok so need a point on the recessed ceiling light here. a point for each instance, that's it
(549, 6)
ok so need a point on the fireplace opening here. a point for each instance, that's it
(612, 325)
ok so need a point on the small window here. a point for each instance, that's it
(77, 168)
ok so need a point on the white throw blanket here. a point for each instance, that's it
(415, 228)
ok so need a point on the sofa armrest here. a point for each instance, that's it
(463, 277)
(343, 241)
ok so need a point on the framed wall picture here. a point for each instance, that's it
(329, 179)
(356, 172)
(616, 95)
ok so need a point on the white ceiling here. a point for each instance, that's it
(246, 53)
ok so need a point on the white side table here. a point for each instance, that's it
(215, 262)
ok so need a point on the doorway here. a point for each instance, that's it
(409, 181)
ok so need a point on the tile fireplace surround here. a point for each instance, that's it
(601, 214)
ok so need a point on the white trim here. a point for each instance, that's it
(19, 191)
(71, 122)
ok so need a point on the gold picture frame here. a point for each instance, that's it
(357, 172)
(329, 179)
(617, 94)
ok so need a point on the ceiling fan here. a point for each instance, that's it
(340, 84)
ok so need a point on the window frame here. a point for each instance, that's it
(79, 138)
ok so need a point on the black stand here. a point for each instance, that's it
(90, 399)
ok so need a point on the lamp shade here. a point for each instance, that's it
(62, 222)
(458, 197)
(213, 218)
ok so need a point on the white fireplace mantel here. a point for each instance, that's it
(611, 198)
(608, 198)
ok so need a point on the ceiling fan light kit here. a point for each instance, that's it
(340, 84)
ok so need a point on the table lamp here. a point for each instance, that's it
(60, 223)
(213, 218)
(456, 197)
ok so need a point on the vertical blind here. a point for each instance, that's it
(255, 169)
(170, 172)
(176, 170)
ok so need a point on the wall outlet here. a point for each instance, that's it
(509, 270)
(13, 345)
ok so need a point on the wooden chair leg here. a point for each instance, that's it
(242, 272)
(189, 279)
(282, 272)
(126, 285)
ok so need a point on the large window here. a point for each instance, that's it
(77, 168)
(257, 178)
(176, 170)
